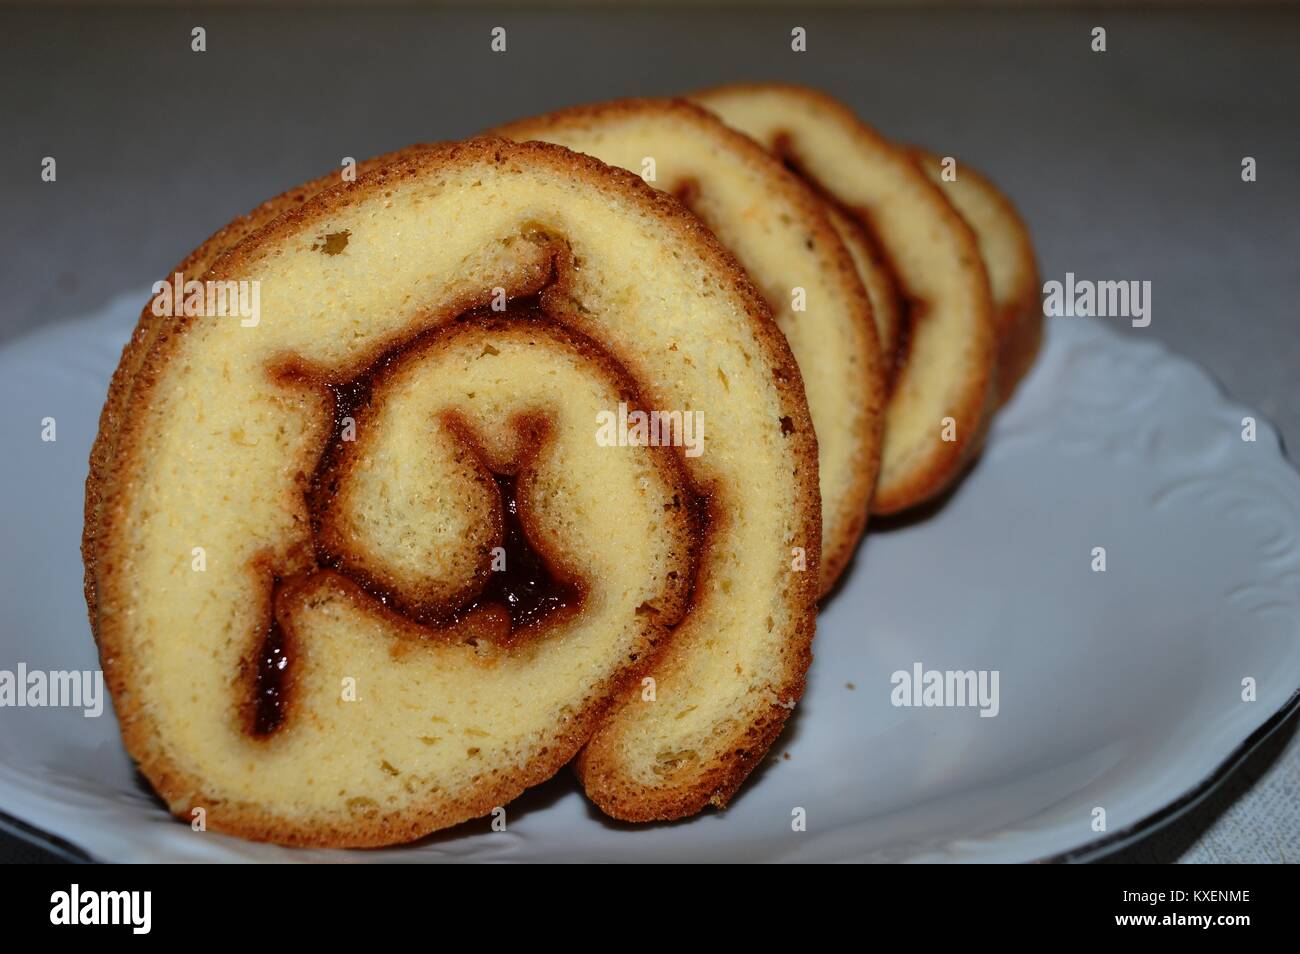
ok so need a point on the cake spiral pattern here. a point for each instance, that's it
(427, 586)
(942, 390)
(780, 233)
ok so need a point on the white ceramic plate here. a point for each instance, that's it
(1119, 690)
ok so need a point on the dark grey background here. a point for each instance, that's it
(1126, 164)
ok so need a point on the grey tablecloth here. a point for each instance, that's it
(1126, 164)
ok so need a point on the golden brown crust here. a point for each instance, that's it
(947, 459)
(856, 505)
(149, 350)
